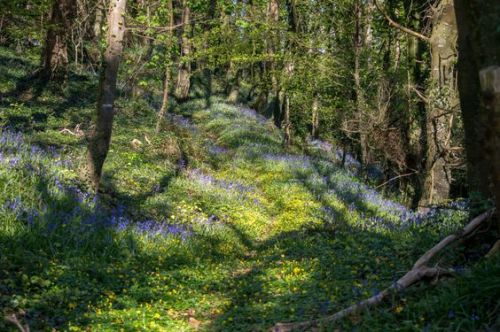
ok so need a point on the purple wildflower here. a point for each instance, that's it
(181, 164)
(14, 162)
(14, 204)
(58, 184)
(156, 188)
(31, 217)
(217, 150)
(451, 314)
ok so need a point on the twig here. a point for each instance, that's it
(419, 271)
(420, 94)
(395, 178)
(399, 26)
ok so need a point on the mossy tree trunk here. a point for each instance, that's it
(55, 53)
(443, 105)
(417, 134)
(183, 82)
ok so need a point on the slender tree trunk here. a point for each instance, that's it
(286, 121)
(417, 136)
(358, 92)
(416, 159)
(2, 19)
(55, 53)
(442, 105)
(166, 81)
(164, 102)
(272, 46)
(261, 101)
(315, 117)
(207, 71)
(234, 87)
(100, 136)
(183, 83)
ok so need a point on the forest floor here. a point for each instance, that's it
(209, 225)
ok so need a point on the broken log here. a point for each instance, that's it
(419, 271)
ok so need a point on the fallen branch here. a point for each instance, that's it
(12, 318)
(494, 250)
(78, 132)
(419, 271)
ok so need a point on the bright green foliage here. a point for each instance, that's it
(260, 234)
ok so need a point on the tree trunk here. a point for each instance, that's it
(55, 53)
(100, 137)
(286, 121)
(417, 136)
(442, 106)
(183, 83)
(478, 48)
(164, 102)
(358, 92)
(99, 19)
(166, 81)
(272, 45)
(260, 102)
(234, 88)
(490, 86)
(207, 71)
(315, 118)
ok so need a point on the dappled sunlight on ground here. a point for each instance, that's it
(211, 225)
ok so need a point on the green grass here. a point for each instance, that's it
(270, 235)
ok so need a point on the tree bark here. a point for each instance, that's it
(490, 86)
(55, 52)
(183, 83)
(358, 91)
(286, 121)
(442, 105)
(99, 19)
(478, 48)
(166, 81)
(100, 136)
(417, 136)
(315, 117)
(207, 71)
(164, 102)
(272, 46)
(234, 85)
